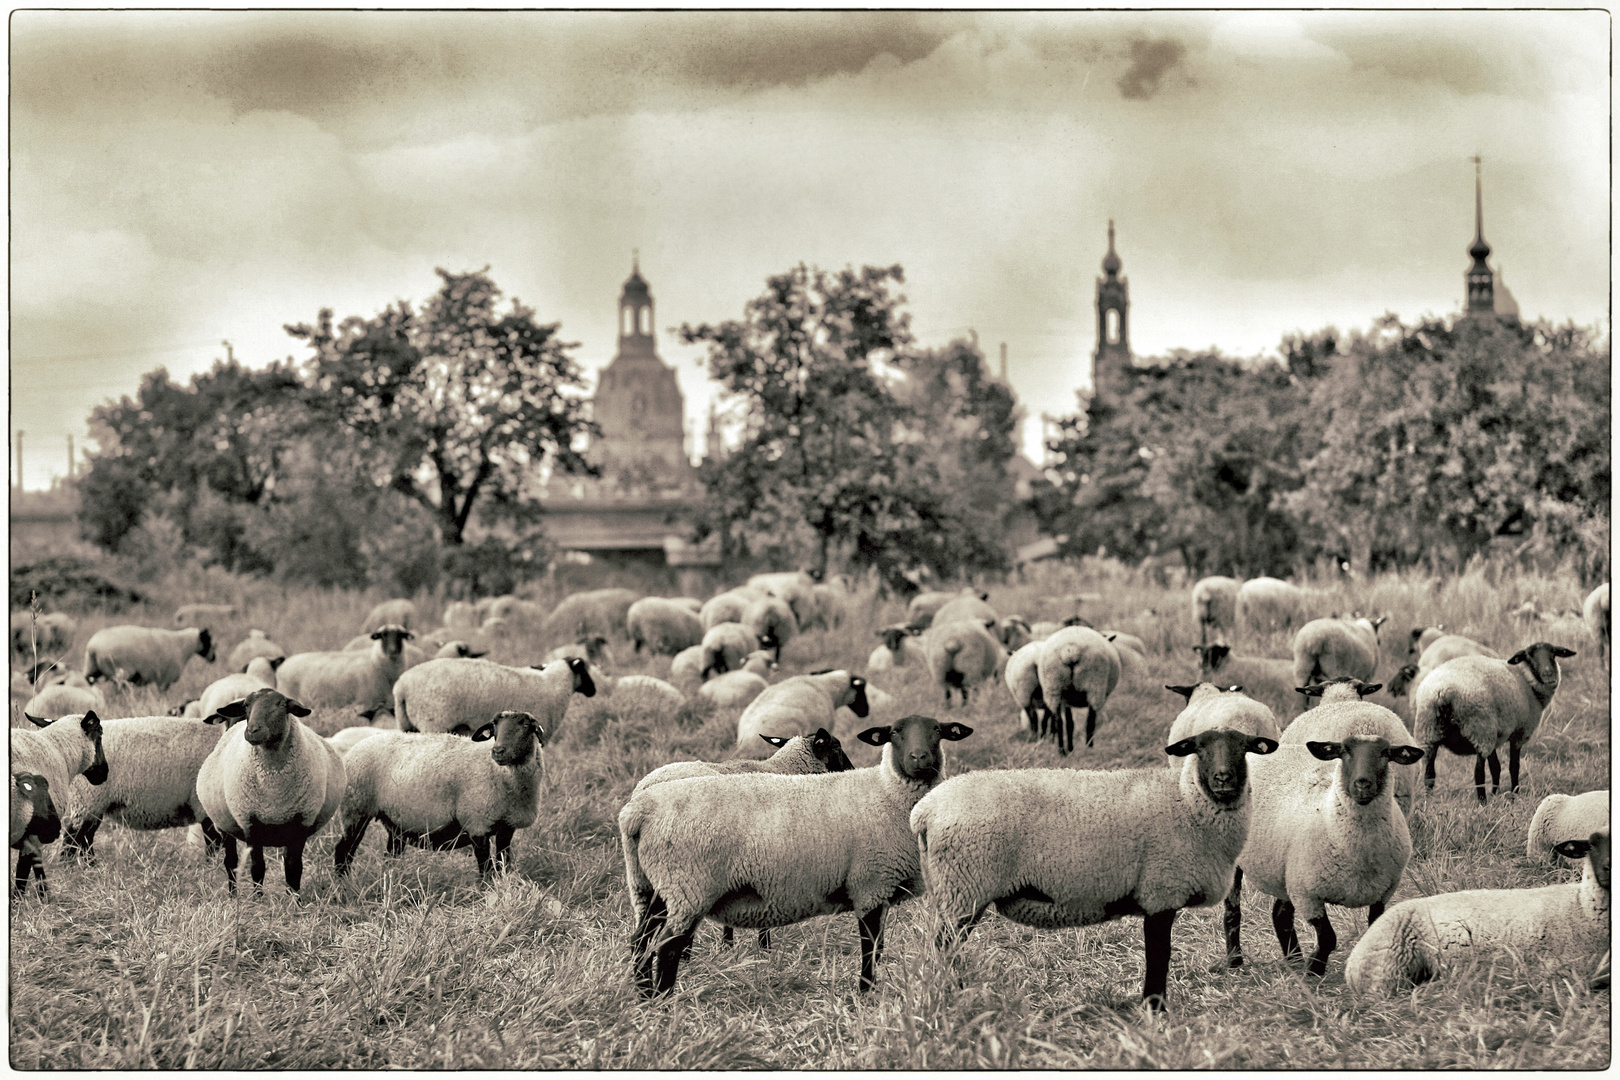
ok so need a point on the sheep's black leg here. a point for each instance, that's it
(670, 951)
(1232, 919)
(1374, 909)
(353, 833)
(1282, 920)
(1066, 732)
(213, 839)
(1156, 946)
(871, 945)
(292, 865)
(1513, 766)
(256, 865)
(1479, 777)
(25, 866)
(480, 846)
(39, 872)
(653, 914)
(1326, 942)
(1091, 725)
(949, 937)
(395, 845)
(79, 843)
(1496, 772)
(230, 862)
(503, 846)
(1428, 765)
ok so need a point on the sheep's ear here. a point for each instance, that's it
(297, 708)
(1111, 637)
(875, 736)
(484, 734)
(775, 740)
(236, 710)
(475, 655)
(276, 662)
(1314, 690)
(1380, 621)
(1262, 745)
(1573, 849)
(1362, 690)
(881, 633)
(37, 721)
(1325, 751)
(1184, 691)
(1560, 651)
(1419, 631)
(954, 732)
(1404, 755)
(217, 718)
(1182, 748)
(1199, 649)
(1233, 689)
(1518, 657)
(369, 714)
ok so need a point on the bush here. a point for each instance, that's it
(63, 583)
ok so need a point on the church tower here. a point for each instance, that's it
(1481, 282)
(638, 403)
(1111, 362)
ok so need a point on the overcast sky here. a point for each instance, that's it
(182, 178)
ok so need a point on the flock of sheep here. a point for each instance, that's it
(1279, 772)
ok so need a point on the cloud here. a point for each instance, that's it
(1150, 62)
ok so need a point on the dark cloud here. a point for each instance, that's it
(1150, 61)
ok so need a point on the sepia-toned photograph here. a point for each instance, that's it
(810, 540)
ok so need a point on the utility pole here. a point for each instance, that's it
(70, 457)
(19, 461)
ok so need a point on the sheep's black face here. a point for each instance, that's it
(1540, 658)
(914, 744)
(1366, 758)
(90, 724)
(35, 790)
(1223, 770)
(516, 734)
(1596, 848)
(892, 636)
(859, 705)
(393, 638)
(1212, 658)
(267, 713)
(829, 751)
(1402, 680)
(205, 645)
(583, 683)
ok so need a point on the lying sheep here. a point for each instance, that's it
(771, 622)
(146, 655)
(759, 850)
(1210, 707)
(1265, 679)
(900, 649)
(1473, 704)
(1565, 817)
(260, 673)
(725, 646)
(208, 615)
(50, 634)
(33, 823)
(736, 689)
(1143, 842)
(348, 677)
(1269, 604)
(152, 767)
(269, 782)
(644, 691)
(600, 611)
(1595, 613)
(58, 700)
(961, 655)
(1078, 666)
(1438, 651)
(1214, 601)
(665, 627)
(391, 613)
(1417, 939)
(65, 748)
(800, 705)
(1328, 648)
(253, 646)
(438, 695)
(446, 791)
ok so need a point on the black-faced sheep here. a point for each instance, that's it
(146, 655)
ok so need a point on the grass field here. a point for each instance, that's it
(144, 961)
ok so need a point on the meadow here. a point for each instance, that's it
(143, 960)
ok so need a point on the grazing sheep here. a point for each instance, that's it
(687, 666)
(1065, 847)
(1214, 601)
(1078, 666)
(922, 608)
(252, 646)
(261, 672)
(438, 695)
(146, 655)
(1328, 648)
(1023, 678)
(726, 607)
(900, 649)
(1422, 638)
(269, 782)
(1132, 652)
(796, 590)
(799, 705)
(391, 613)
(33, 823)
(51, 634)
(665, 627)
(1473, 704)
(348, 677)
(64, 749)
(961, 655)
(771, 622)
(1013, 632)
(1266, 679)
(1210, 707)
(1446, 647)
(968, 608)
(58, 700)
(444, 790)
(760, 850)
(208, 615)
(1595, 613)
(600, 611)
(627, 691)
(1323, 829)
(725, 646)
(1417, 939)
(736, 689)
(825, 608)
(1269, 604)
(152, 767)
(591, 647)
(1565, 817)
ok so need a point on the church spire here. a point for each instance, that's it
(1480, 280)
(1111, 363)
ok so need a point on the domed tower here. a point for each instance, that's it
(1481, 282)
(1111, 363)
(638, 403)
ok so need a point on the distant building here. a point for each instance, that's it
(1111, 363)
(1486, 295)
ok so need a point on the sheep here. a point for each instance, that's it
(968, 608)
(736, 689)
(663, 626)
(50, 633)
(1342, 714)
(591, 647)
(1023, 678)
(687, 666)
(391, 613)
(347, 677)
(346, 739)
(1322, 831)
(630, 690)
(1473, 704)
(1268, 604)
(1013, 632)
(1078, 666)
(458, 650)
(920, 611)
(446, 791)
(269, 782)
(726, 607)
(438, 695)
(147, 655)
(725, 646)
(1595, 613)
(460, 615)
(771, 621)
(62, 750)
(58, 700)
(1143, 842)
(1328, 648)
(961, 655)
(1210, 707)
(1266, 679)
(1565, 817)
(600, 611)
(1422, 638)
(1417, 939)
(900, 649)
(763, 850)
(1446, 647)
(254, 645)
(798, 755)
(799, 705)
(152, 767)
(261, 672)
(33, 822)
(825, 608)
(1132, 652)
(1214, 601)
(796, 590)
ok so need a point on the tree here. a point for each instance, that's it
(457, 407)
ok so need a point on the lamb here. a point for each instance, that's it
(252, 646)
(771, 621)
(1328, 648)
(1143, 842)
(1322, 831)
(726, 646)
(1023, 678)
(1263, 678)
(1269, 604)
(1214, 601)
(1473, 704)
(1210, 707)
(824, 609)
(600, 611)
(801, 704)
(1078, 666)
(261, 672)
(33, 823)
(900, 649)
(762, 850)
(51, 633)
(64, 749)
(391, 613)
(1595, 613)
(438, 695)
(1443, 648)
(269, 782)
(665, 627)
(1565, 817)
(148, 656)
(348, 677)
(735, 689)
(446, 791)
(58, 700)
(1417, 939)
(208, 615)
(961, 655)
(968, 608)
(152, 767)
